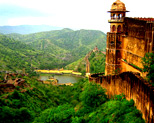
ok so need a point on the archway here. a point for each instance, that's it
(113, 28)
(114, 16)
(119, 29)
(119, 16)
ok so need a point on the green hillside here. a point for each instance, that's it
(96, 60)
(76, 43)
(16, 55)
(66, 38)
(47, 50)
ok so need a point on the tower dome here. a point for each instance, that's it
(118, 6)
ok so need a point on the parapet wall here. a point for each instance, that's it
(133, 87)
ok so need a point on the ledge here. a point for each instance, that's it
(132, 65)
(116, 20)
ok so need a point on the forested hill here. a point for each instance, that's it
(66, 39)
(15, 55)
(48, 50)
(96, 61)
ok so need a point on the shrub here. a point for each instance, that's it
(93, 95)
(60, 114)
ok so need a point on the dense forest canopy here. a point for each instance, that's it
(82, 103)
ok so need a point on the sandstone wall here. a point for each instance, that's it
(131, 45)
(133, 50)
(134, 87)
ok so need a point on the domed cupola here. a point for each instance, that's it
(118, 13)
(118, 6)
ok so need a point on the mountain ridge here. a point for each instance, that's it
(27, 29)
(50, 49)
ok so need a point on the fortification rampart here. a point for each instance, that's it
(133, 87)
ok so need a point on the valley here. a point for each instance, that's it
(47, 50)
(24, 97)
(50, 74)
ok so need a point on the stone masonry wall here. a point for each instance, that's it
(133, 87)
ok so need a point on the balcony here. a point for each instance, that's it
(116, 20)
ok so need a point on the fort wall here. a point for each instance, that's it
(131, 45)
(128, 41)
(133, 87)
(133, 50)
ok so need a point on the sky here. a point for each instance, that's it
(74, 14)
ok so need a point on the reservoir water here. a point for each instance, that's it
(65, 78)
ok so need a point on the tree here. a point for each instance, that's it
(148, 65)
(60, 114)
(93, 95)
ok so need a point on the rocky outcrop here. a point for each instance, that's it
(9, 84)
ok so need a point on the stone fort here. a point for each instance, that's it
(128, 41)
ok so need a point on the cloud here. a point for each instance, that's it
(88, 14)
(65, 13)
(17, 11)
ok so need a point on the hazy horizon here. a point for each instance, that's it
(73, 14)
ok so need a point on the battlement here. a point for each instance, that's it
(145, 19)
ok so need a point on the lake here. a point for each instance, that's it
(64, 78)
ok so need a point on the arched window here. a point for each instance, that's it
(119, 16)
(110, 28)
(114, 16)
(113, 28)
(119, 29)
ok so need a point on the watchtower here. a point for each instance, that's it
(114, 37)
